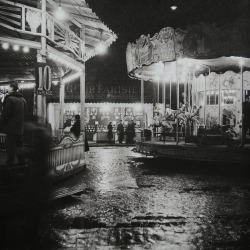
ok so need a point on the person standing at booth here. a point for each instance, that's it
(246, 118)
(110, 132)
(12, 122)
(120, 131)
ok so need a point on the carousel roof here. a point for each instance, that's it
(80, 26)
(201, 48)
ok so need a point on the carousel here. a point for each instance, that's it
(44, 43)
(203, 74)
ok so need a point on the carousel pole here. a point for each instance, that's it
(241, 101)
(178, 102)
(170, 94)
(164, 96)
(205, 100)
(143, 107)
(158, 93)
(189, 88)
(185, 92)
(219, 99)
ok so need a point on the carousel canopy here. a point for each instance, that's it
(201, 48)
(70, 41)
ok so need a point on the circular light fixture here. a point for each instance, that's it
(26, 49)
(16, 47)
(5, 45)
(174, 7)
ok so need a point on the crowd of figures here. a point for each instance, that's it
(121, 132)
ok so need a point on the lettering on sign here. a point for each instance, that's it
(45, 80)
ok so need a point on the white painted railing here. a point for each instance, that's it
(28, 20)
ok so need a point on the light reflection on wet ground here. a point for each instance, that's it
(146, 203)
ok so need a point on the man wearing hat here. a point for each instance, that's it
(12, 120)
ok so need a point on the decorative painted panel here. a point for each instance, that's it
(212, 81)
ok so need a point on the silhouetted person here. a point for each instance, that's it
(12, 119)
(110, 132)
(130, 132)
(67, 124)
(75, 129)
(120, 131)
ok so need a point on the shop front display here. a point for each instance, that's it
(99, 115)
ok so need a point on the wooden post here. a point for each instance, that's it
(82, 84)
(40, 96)
(82, 99)
(43, 27)
(62, 95)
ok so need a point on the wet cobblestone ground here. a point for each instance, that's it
(134, 202)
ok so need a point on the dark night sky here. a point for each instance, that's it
(131, 18)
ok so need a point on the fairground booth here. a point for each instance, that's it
(202, 75)
(105, 103)
(47, 43)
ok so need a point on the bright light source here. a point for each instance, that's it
(26, 49)
(5, 45)
(55, 82)
(60, 13)
(241, 62)
(101, 48)
(174, 7)
(16, 47)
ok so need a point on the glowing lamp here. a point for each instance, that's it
(16, 47)
(5, 45)
(101, 48)
(60, 13)
(174, 7)
(26, 49)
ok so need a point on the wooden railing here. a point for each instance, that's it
(28, 20)
(66, 157)
(63, 158)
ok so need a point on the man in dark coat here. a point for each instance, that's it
(75, 129)
(12, 120)
(120, 131)
(246, 117)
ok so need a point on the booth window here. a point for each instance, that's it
(228, 97)
(212, 98)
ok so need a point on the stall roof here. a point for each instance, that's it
(66, 40)
(78, 13)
